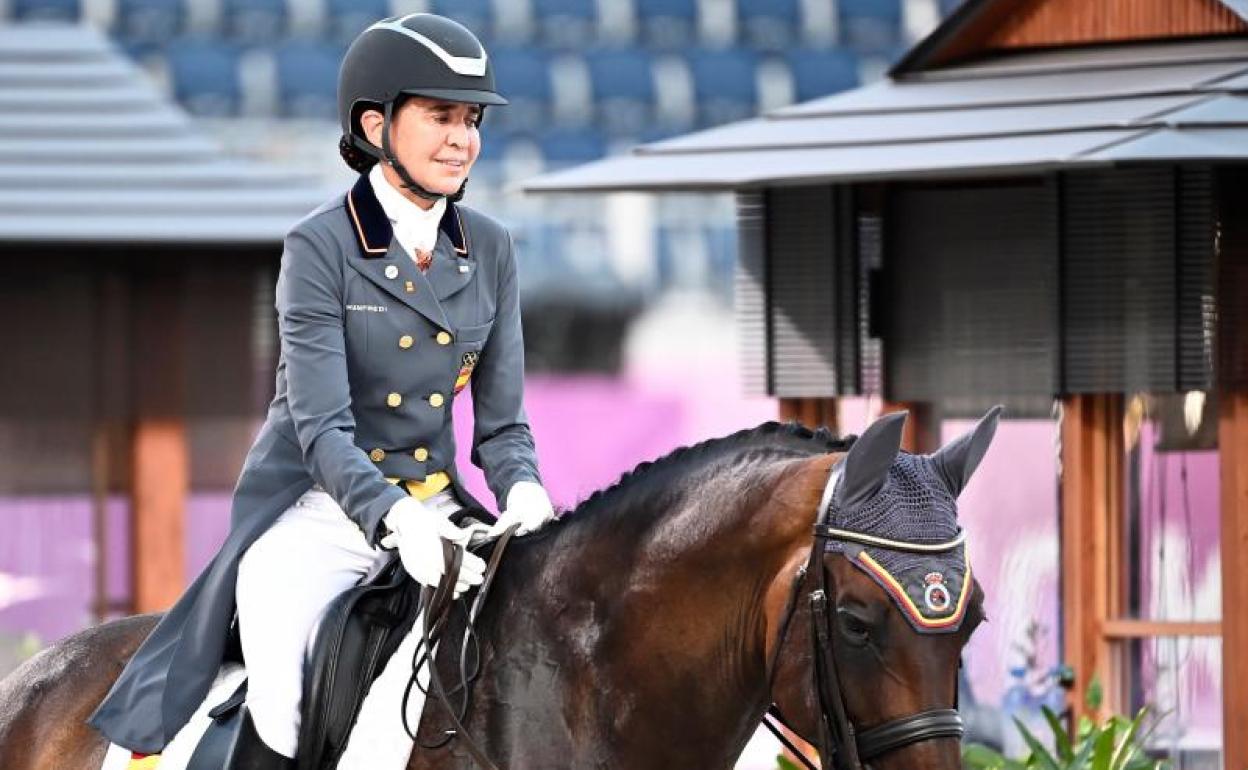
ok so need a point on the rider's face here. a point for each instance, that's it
(436, 141)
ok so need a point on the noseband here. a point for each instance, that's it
(841, 746)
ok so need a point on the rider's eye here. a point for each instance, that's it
(853, 628)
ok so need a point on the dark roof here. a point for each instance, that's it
(91, 151)
(1025, 112)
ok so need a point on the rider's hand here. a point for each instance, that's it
(417, 532)
(527, 505)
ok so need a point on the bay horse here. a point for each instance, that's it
(654, 625)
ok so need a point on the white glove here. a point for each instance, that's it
(417, 532)
(527, 505)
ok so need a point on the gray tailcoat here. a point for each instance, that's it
(372, 353)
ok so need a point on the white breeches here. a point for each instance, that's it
(312, 553)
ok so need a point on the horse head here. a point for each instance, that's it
(870, 633)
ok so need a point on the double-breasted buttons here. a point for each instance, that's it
(406, 341)
(444, 338)
(377, 455)
(421, 454)
(393, 400)
(392, 271)
(436, 399)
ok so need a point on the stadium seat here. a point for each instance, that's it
(566, 24)
(667, 24)
(347, 18)
(254, 21)
(724, 84)
(821, 71)
(205, 76)
(476, 15)
(623, 87)
(149, 21)
(523, 76)
(570, 146)
(307, 78)
(871, 26)
(46, 10)
(769, 25)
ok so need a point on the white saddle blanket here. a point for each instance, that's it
(378, 740)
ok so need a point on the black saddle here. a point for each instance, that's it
(348, 649)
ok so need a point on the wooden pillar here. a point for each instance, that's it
(159, 453)
(1092, 505)
(1233, 463)
(811, 412)
(161, 478)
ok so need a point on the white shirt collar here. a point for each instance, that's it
(414, 227)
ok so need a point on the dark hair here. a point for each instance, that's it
(359, 161)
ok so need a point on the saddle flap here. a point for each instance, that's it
(348, 649)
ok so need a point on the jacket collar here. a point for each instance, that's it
(372, 227)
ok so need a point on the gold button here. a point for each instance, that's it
(436, 399)
(444, 338)
(394, 399)
(377, 455)
(421, 454)
(406, 341)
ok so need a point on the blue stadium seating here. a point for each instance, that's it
(476, 15)
(821, 71)
(569, 146)
(46, 10)
(871, 26)
(307, 78)
(769, 25)
(205, 76)
(667, 24)
(149, 21)
(523, 76)
(623, 86)
(254, 21)
(566, 24)
(724, 84)
(347, 18)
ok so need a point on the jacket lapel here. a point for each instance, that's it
(382, 260)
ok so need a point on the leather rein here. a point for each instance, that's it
(841, 746)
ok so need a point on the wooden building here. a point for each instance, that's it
(1044, 201)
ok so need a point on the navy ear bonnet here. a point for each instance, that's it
(931, 589)
(894, 515)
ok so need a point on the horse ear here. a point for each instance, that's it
(865, 467)
(958, 459)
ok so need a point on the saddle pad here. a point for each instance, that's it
(178, 753)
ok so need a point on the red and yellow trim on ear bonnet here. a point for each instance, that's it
(903, 599)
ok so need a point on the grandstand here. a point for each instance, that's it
(585, 77)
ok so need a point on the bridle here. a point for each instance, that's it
(841, 746)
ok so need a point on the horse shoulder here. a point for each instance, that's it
(45, 702)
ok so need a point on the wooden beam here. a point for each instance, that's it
(1127, 628)
(1233, 464)
(1091, 518)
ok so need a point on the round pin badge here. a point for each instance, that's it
(392, 271)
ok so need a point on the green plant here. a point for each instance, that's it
(785, 764)
(1114, 744)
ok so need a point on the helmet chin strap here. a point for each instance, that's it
(389, 157)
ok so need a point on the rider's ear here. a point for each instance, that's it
(958, 459)
(865, 467)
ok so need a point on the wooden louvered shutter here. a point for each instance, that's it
(968, 309)
(750, 293)
(1137, 280)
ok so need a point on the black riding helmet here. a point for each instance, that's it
(419, 54)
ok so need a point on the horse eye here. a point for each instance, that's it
(853, 628)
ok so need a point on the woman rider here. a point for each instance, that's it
(390, 300)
